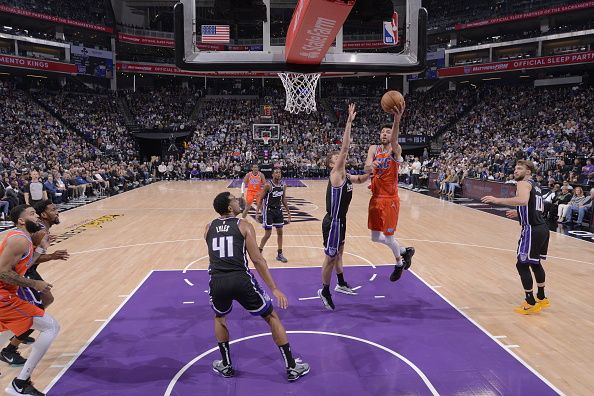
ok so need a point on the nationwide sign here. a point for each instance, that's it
(526, 15)
(37, 64)
(56, 19)
(533, 63)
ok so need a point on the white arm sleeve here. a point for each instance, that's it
(242, 187)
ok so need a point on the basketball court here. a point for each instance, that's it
(132, 299)
(135, 317)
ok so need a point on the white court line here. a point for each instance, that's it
(348, 236)
(512, 346)
(100, 320)
(308, 298)
(436, 286)
(372, 277)
(379, 296)
(187, 267)
(356, 288)
(499, 337)
(192, 263)
(188, 302)
(58, 365)
(99, 330)
(464, 307)
(519, 359)
(417, 370)
(137, 245)
(188, 282)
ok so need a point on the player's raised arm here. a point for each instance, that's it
(396, 148)
(368, 168)
(340, 163)
(260, 262)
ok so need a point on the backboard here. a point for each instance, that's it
(257, 45)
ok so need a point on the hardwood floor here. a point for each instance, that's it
(468, 255)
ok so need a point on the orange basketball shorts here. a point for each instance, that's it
(383, 214)
(252, 195)
(17, 314)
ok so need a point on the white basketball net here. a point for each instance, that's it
(301, 91)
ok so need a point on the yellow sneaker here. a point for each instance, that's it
(527, 309)
(544, 303)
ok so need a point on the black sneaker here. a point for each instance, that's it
(281, 258)
(22, 387)
(326, 299)
(12, 357)
(407, 257)
(397, 273)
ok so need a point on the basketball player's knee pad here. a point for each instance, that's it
(525, 275)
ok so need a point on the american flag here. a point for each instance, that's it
(215, 33)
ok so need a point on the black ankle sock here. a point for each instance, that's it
(341, 281)
(260, 249)
(279, 251)
(21, 383)
(11, 348)
(540, 293)
(287, 355)
(225, 353)
(26, 334)
(530, 298)
(326, 290)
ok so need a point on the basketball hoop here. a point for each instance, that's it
(266, 139)
(301, 91)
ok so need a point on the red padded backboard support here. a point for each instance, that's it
(313, 28)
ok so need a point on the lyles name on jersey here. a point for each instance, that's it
(223, 228)
(276, 194)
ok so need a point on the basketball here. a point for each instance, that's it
(391, 99)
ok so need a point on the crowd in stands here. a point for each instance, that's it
(91, 11)
(554, 127)
(160, 108)
(94, 116)
(224, 142)
(35, 144)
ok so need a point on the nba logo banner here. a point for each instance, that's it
(391, 30)
(390, 35)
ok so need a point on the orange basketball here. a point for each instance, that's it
(391, 99)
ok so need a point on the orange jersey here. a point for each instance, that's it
(23, 264)
(254, 182)
(384, 183)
